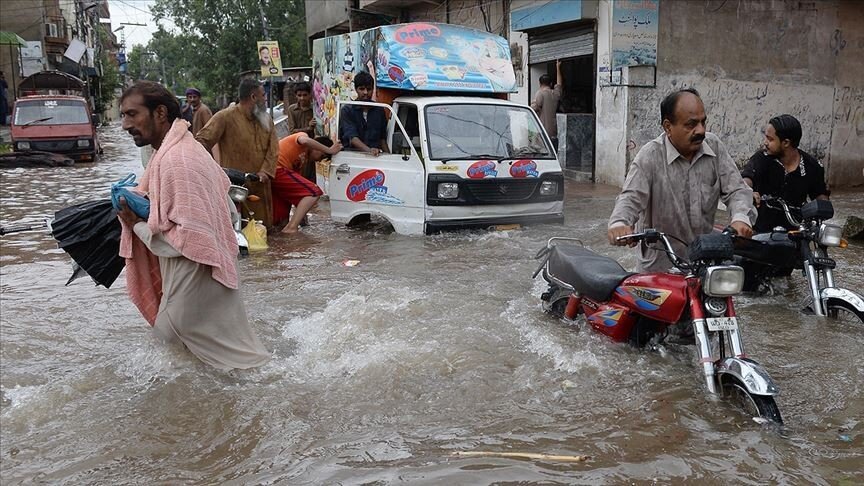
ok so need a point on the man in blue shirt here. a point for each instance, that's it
(363, 128)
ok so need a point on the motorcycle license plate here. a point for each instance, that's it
(722, 323)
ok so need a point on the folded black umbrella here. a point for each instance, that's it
(90, 233)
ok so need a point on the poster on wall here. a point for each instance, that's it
(269, 58)
(634, 33)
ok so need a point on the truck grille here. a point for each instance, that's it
(54, 145)
(494, 191)
(503, 190)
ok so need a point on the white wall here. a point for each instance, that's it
(610, 154)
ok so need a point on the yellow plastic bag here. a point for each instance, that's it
(256, 235)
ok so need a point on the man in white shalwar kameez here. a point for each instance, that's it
(181, 262)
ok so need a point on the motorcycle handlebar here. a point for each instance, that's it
(780, 204)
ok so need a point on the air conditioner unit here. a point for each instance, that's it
(51, 30)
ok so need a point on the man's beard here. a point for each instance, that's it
(261, 115)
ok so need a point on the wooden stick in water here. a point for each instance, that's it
(522, 455)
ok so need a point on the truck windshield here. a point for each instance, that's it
(465, 131)
(53, 112)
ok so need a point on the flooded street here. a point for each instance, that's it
(382, 371)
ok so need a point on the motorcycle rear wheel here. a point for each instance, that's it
(842, 311)
(755, 405)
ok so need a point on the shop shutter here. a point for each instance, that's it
(551, 44)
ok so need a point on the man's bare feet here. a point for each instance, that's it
(288, 230)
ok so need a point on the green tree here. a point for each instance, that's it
(218, 40)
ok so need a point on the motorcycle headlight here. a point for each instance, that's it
(238, 193)
(24, 145)
(83, 142)
(830, 234)
(448, 190)
(548, 188)
(723, 281)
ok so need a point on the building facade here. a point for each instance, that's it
(750, 60)
(60, 35)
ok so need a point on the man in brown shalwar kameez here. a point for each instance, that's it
(247, 142)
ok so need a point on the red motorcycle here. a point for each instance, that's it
(640, 308)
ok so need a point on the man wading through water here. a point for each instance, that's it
(181, 263)
(247, 142)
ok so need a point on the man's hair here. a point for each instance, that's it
(247, 87)
(325, 141)
(362, 80)
(667, 106)
(264, 47)
(302, 86)
(788, 128)
(154, 95)
(545, 80)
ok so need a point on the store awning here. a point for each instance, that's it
(11, 39)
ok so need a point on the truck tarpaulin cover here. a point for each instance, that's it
(413, 57)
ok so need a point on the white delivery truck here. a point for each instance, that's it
(461, 155)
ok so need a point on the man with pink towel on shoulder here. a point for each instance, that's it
(181, 263)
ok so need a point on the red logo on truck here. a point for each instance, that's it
(416, 33)
(360, 185)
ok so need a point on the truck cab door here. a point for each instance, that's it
(391, 185)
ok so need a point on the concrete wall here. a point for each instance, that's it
(752, 60)
(322, 15)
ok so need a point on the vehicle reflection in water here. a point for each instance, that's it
(382, 370)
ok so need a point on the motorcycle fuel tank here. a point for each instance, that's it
(660, 296)
(613, 320)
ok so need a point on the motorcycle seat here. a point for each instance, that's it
(595, 276)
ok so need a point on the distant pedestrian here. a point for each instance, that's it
(196, 112)
(546, 103)
(301, 119)
(181, 262)
(4, 99)
(247, 142)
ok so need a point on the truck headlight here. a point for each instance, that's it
(448, 190)
(24, 145)
(723, 281)
(830, 234)
(548, 188)
(83, 142)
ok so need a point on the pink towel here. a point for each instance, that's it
(189, 207)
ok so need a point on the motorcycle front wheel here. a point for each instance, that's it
(755, 405)
(842, 311)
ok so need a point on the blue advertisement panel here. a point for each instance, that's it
(442, 57)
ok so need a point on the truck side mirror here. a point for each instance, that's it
(97, 119)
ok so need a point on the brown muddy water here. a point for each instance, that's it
(381, 372)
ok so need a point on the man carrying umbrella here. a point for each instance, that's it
(181, 263)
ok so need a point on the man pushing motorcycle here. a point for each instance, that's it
(676, 181)
(781, 170)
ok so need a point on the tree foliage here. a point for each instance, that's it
(216, 40)
(110, 80)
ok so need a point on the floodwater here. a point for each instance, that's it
(383, 371)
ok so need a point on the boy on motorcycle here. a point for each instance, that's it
(676, 181)
(782, 170)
